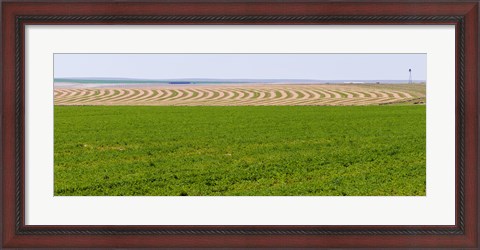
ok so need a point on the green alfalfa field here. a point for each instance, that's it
(240, 150)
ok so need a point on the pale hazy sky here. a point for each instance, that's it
(243, 66)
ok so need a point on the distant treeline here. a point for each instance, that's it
(222, 81)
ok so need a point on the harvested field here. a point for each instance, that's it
(243, 95)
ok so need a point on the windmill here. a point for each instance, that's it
(410, 76)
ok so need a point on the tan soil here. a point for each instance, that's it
(243, 95)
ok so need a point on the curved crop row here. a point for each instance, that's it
(246, 95)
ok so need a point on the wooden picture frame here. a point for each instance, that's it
(17, 14)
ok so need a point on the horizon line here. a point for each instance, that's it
(196, 79)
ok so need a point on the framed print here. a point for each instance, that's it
(240, 124)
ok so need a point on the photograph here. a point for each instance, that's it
(240, 124)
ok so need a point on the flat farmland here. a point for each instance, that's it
(241, 95)
(304, 147)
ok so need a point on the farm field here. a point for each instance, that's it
(194, 150)
(241, 94)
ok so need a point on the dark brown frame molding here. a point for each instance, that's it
(17, 14)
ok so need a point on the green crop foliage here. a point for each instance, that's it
(247, 151)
